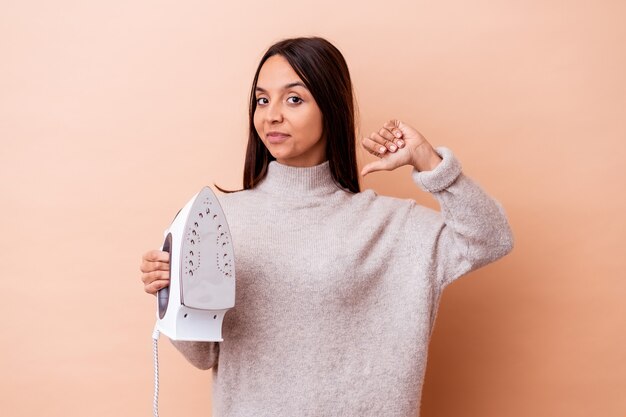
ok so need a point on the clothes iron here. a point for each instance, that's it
(202, 272)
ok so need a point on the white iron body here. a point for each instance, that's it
(202, 272)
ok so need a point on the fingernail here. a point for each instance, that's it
(398, 134)
(392, 147)
(382, 149)
(400, 143)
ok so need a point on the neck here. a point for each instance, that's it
(289, 180)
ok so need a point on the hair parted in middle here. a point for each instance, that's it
(324, 71)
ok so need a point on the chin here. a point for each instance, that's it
(282, 153)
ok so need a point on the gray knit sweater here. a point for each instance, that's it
(337, 293)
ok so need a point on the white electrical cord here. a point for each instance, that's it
(155, 350)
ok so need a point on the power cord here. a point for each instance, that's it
(155, 350)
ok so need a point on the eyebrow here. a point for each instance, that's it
(294, 84)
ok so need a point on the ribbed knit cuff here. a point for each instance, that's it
(442, 176)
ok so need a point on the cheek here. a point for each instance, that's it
(255, 120)
(258, 124)
(314, 123)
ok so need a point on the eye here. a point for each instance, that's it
(260, 98)
(296, 97)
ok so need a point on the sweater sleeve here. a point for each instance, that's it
(472, 229)
(202, 355)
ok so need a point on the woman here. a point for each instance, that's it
(337, 288)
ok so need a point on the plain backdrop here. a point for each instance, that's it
(113, 114)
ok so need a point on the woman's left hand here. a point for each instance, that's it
(398, 144)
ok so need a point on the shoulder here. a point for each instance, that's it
(231, 196)
(388, 205)
(233, 202)
(407, 210)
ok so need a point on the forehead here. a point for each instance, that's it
(276, 73)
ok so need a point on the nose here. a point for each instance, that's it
(274, 112)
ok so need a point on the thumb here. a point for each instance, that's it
(373, 166)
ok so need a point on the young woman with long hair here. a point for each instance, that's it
(337, 289)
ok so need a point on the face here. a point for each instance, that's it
(285, 106)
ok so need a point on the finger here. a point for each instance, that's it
(155, 286)
(386, 133)
(149, 266)
(149, 277)
(373, 147)
(380, 139)
(157, 255)
(393, 126)
(378, 143)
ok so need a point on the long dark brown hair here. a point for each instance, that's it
(324, 71)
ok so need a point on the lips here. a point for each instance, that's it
(277, 137)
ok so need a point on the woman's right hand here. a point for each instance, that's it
(155, 268)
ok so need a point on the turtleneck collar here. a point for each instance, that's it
(298, 181)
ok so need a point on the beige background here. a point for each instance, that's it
(113, 114)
